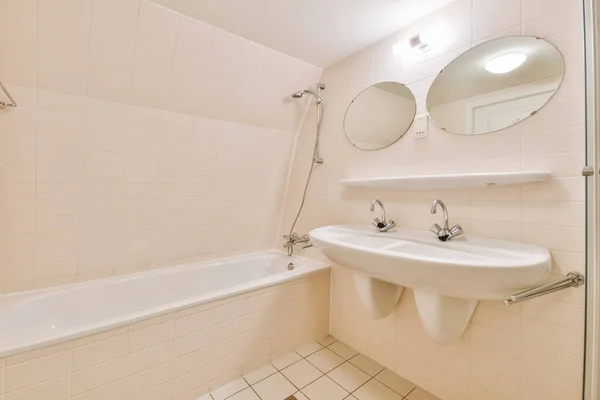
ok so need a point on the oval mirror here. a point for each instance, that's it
(380, 115)
(495, 85)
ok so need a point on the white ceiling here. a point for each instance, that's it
(320, 32)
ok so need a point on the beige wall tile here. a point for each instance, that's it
(94, 68)
(99, 375)
(99, 352)
(148, 337)
(56, 389)
(36, 371)
(150, 357)
(40, 353)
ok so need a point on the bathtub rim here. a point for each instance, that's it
(312, 268)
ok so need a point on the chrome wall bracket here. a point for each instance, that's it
(12, 102)
(573, 279)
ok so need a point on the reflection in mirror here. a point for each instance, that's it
(380, 115)
(495, 85)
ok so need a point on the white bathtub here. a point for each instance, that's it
(36, 319)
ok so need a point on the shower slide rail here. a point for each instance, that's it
(572, 279)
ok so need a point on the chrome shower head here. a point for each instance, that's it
(301, 93)
(298, 95)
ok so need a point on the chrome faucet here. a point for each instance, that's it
(294, 239)
(382, 224)
(444, 233)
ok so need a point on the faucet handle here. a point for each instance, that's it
(376, 222)
(435, 228)
(388, 227)
(456, 231)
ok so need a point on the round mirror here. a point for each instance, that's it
(495, 85)
(380, 115)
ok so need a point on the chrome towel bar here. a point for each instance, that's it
(12, 103)
(573, 279)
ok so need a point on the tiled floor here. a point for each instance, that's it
(324, 370)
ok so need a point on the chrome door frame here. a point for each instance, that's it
(591, 390)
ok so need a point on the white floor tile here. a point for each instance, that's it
(343, 350)
(325, 360)
(374, 390)
(275, 387)
(324, 389)
(326, 341)
(246, 394)
(366, 364)
(395, 382)
(205, 397)
(285, 360)
(349, 377)
(260, 374)
(229, 389)
(310, 348)
(420, 394)
(301, 373)
(300, 396)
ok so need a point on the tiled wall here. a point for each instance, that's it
(143, 139)
(529, 351)
(178, 356)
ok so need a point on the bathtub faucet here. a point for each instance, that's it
(294, 239)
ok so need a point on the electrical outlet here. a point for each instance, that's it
(421, 126)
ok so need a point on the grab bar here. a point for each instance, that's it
(12, 103)
(573, 279)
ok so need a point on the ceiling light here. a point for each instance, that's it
(505, 63)
(418, 45)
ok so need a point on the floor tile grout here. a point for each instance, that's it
(322, 374)
(255, 392)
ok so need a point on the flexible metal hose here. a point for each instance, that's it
(315, 160)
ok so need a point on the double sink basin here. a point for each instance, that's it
(448, 278)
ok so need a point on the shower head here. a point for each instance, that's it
(301, 93)
(298, 95)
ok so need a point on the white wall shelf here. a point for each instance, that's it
(450, 181)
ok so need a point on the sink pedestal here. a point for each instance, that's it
(444, 318)
(378, 297)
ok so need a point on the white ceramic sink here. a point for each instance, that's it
(465, 267)
(448, 277)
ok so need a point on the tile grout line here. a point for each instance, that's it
(326, 373)
(255, 392)
(323, 374)
(280, 371)
(371, 377)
